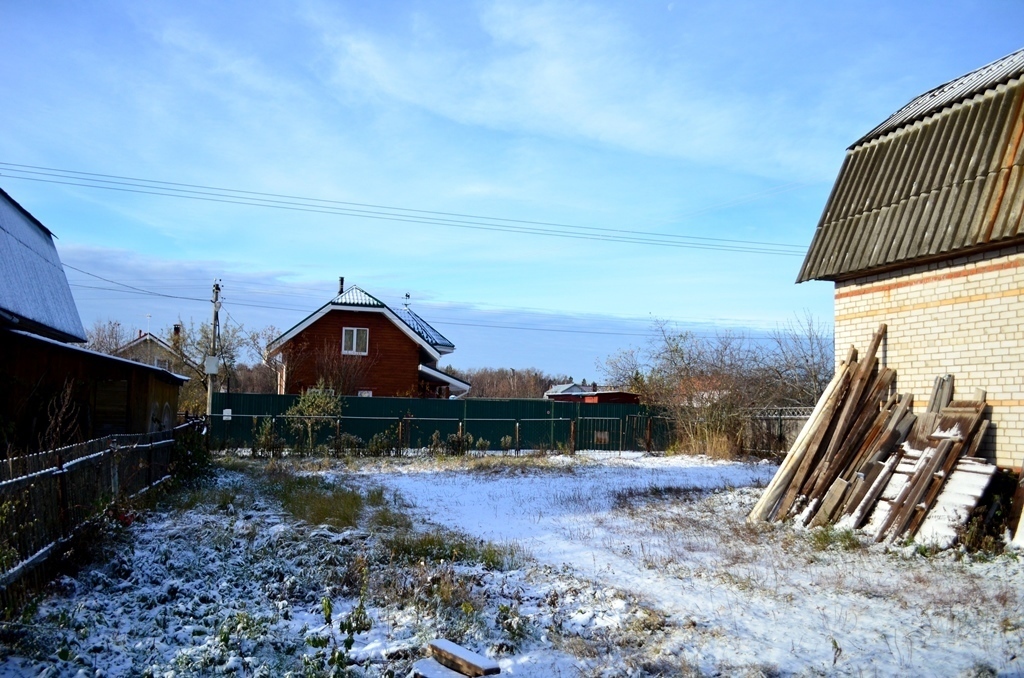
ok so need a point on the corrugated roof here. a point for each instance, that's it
(943, 185)
(422, 328)
(354, 296)
(985, 78)
(33, 287)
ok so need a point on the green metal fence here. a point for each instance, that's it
(528, 424)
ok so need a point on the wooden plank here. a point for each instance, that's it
(882, 479)
(429, 668)
(769, 501)
(977, 438)
(814, 444)
(967, 416)
(917, 488)
(923, 467)
(864, 419)
(456, 657)
(954, 505)
(829, 504)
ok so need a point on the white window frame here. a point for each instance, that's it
(354, 333)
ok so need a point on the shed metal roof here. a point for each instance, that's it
(930, 183)
(34, 292)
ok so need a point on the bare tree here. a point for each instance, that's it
(344, 374)
(106, 336)
(191, 344)
(801, 361)
(491, 382)
(706, 385)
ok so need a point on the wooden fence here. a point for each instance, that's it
(48, 497)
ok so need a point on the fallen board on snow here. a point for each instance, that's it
(961, 494)
(429, 668)
(466, 662)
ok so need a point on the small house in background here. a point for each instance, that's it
(358, 345)
(578, 393)
(52, 392)
(150, 349)
(924, 231)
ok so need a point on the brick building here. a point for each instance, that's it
(923, 231)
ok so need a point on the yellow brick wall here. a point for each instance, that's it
(962, 317)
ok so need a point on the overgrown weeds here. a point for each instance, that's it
(446, 545)
(316, 501)
(828, 536)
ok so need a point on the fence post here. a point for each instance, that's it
(115, 484)
(572, 437)
(62, 497)
(647, 437)
(517, 438)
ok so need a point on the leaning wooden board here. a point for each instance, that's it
(964, 489)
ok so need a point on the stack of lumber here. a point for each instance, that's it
(864, 455)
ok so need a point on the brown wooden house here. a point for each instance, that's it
(357, 345)
(43, 373)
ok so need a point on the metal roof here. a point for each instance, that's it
(985, 78)
(34, 292)
(354, 296)
(947, 183)
(422, 328)
(414, 326)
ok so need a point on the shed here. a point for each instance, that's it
(42, 372)
(923, 231)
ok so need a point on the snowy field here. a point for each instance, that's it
(594, 565)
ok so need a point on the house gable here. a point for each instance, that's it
(356, 300)
(941, 178)
(390, 366)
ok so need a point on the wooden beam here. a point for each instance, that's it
(456, 657)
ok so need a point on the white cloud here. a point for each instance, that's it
(572, 72)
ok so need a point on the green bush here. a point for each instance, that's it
(458, 444)
(384, 443)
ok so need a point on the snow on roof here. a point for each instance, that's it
(354, 296)
(34, 292)
(422, 328)
(416, 327)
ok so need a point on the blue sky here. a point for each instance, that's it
(693, 121)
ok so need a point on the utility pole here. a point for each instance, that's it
(212, 361)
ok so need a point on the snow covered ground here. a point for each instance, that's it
(614, 565)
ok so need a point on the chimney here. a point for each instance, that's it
(177, 330)
(140, 334)
(341, 285)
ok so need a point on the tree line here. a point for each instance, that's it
(709, 386)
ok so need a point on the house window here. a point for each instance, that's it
(354, 341)
(163, 364)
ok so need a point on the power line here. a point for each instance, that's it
(131, 289)
(388, 213)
